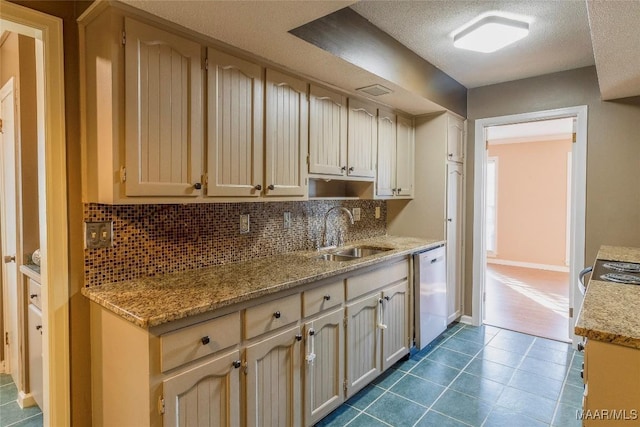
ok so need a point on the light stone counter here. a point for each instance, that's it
(611, 311)
(152, 301)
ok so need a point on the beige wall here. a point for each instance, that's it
(532, 201)
(79, 311)
(613, 150)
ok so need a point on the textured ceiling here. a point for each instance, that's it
(615, 32)
(558, 40)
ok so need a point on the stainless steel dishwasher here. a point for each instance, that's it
(430, 295)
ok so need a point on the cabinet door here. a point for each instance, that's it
(455, 182)
(234, 142)
(273, 396)
(385, 181)
(163, 114)
(287, 135)
(395, 316)
(363, 338)
(35, 353)
(362, 140)
(207, 395)
(455, 139)
(324, 371)
(405, 157)
(327, 132)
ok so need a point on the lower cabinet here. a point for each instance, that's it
(324, 365)
(273, 395)
(207, 395)
(288, 361)
(35, 353)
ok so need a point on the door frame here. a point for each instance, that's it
(578, 203)
(52, 203)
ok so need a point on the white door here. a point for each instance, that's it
(363, 342)
(8, 225)
(454, 240)
(362, 140)
(395, 316)
(327, 132)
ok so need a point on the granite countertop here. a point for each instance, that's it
(611, 311)
(152, 301)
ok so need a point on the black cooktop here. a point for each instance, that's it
(617, 271)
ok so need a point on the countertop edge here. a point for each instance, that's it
(341, 268)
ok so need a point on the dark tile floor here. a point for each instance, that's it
(473, 376)
(11, 415)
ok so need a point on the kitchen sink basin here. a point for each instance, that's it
(352, 253)
(336, 257)
(361, 251)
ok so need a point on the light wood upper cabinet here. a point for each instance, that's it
(455, 139)
(163, 112)
(327, 132)
(234, 140)
(362, 139)
(405, 157)
(207, 395)
(286, 136)
(385, 183)
(396, 148)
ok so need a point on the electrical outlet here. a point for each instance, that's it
(244, 224)
(356, 214)
(98, 234)
(286, 222)
(377, 212)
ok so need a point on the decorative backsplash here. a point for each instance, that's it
(150, 240)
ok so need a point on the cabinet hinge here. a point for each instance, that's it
(206, 64)
(205, 179)
(124, 38)
(6, 338)
(484, 297)
(161, 405)
(123, 174)
(308, 160)
(344, 322)
(573, 137)
(344, 385)
(1, 129)
(571, 312)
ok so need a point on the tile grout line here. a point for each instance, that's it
(25, 419)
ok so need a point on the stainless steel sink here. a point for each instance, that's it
(362, 251)
(352, 253)
(336, 257)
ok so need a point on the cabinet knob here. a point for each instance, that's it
(344, 168)
(197, 186)
(387, 298)
(449, 220)
(351, 169)
(298, 337)
(9, 258)
(450, 154)
(32, 296)
(276, 314)
(258, 187)
(271, 187)
(312, 332)
(580, 346)
(205, 340)
(38, 327)
(237, 364)
(327, 297)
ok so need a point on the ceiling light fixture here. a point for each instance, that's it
(490, 33)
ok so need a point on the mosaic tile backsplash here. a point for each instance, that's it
(151, 240)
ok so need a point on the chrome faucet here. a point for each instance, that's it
(326, 216)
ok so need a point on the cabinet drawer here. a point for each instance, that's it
(34, 293)
(199, 340)
(368, 282)
(271, 315)
(322, 298)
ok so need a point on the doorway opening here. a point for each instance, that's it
(528, 171)
(502, 265)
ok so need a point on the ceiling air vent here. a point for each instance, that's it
(374, 90)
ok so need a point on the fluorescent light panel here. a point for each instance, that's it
(490, 34)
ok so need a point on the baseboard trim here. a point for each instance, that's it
(25, 400)
(467, 320)
(548, 267)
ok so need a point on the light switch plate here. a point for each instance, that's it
(98, 234)
(377, 212)
(356, 214)
(286, 221)
(244, 223)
